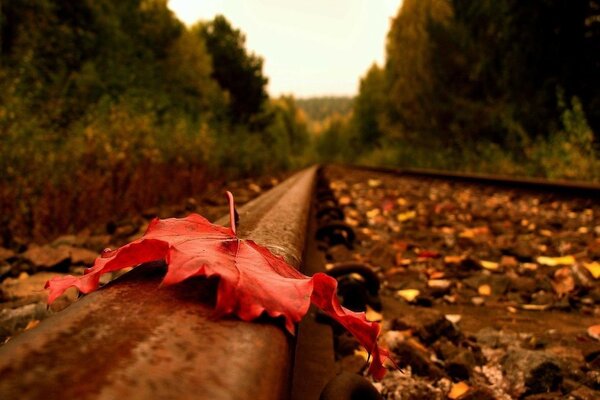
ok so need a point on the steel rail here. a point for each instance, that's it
(562, 187)
(135, 340)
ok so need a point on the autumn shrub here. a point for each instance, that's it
(570, 152)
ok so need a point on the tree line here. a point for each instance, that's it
(110, 106)
(493, 85)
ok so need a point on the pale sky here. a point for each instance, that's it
(309, 47)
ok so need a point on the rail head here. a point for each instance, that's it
(560, 187)
(133, 339)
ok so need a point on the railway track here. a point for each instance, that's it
(133, 340)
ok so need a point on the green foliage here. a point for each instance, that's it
(472, 85)
(318, 109)
(109, 107)
(238, 72)
(368, 119)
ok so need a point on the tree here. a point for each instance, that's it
(235, 69)
(369, 108)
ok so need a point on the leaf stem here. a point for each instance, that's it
(231, 211)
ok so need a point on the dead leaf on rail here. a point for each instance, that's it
(252, 280)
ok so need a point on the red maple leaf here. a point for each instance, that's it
(251, 279)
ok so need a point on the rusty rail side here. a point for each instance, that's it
(562, 187)
(134, 340)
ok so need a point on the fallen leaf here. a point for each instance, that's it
(32, 324)
(508, 261)
(439, 283)
(563, 281)
(453, 259)
(594, 331)
(477, 301)
(554, 261)
(454, 318)
(374, 183)
(594, 268)
(428, 254)
(408, 294)
(405, 216)
(489, 265)
(535, 307)
(530, 266)
(485, 290)
(345, 200)
(362, 353)
(373, 213)
(458, 389)
(252, 280)
(474, 232)
(372, 315)
(254, 187)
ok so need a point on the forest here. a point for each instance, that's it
(109, 107)
(501, 86)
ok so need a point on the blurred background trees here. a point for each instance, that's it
(108, 107)
(501, 86)
(111, 106)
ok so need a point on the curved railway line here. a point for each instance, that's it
(133, 340)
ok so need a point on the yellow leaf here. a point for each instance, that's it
(408, 294)
(373, 213)
(594, 268)
(372, 315)
(492, 266)
(554, 261)
(345, 200)
(361, 352)
(458, 389)
(485, 290)
(405, 216)
(32, 324)
(453, 259)
(374, 183)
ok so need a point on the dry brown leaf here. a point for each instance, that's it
(563, 282)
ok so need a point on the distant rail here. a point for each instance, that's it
(562, 187)
(134, 340)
